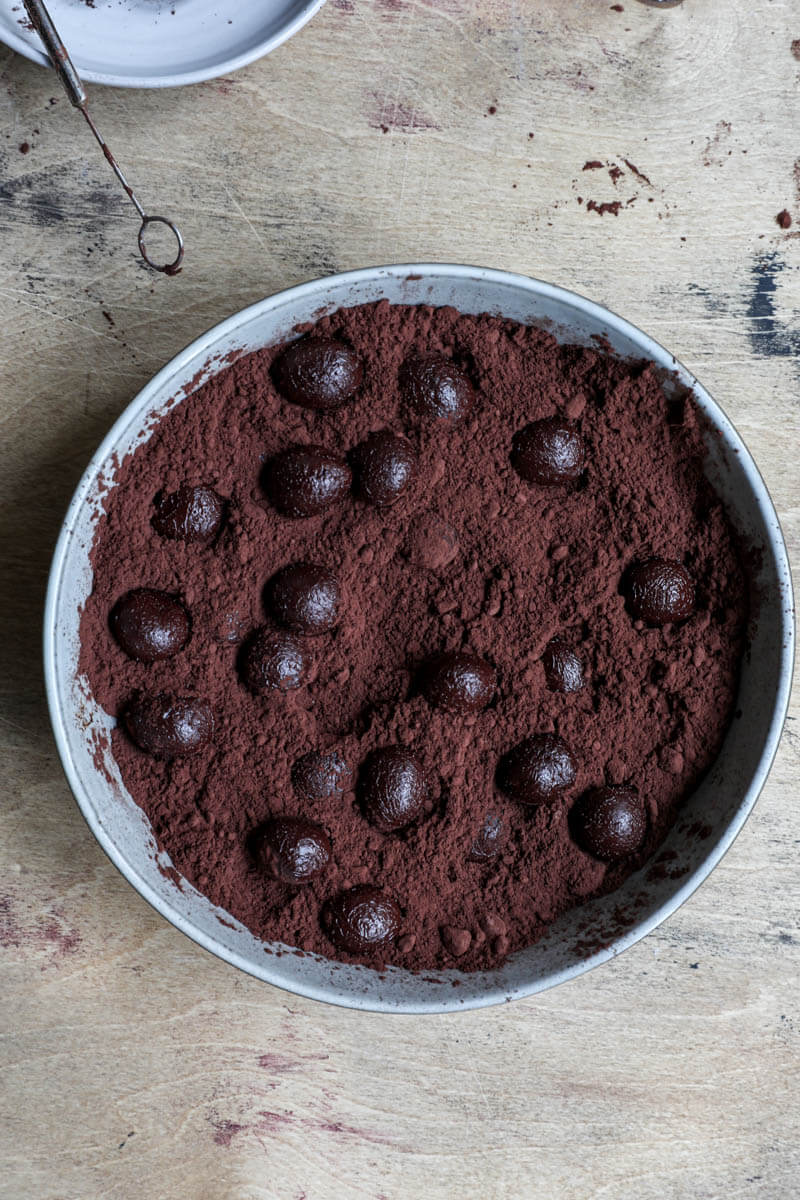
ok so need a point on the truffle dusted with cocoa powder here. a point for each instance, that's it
(548, 452)
(435, 389)
(563, 670)
(660, 591)
(489, 840)
(384, 465)
(190, 514)
(305, 480)
(169, 726)
(150, 625)
(305, 598)
(321, 775)
(392, 788)
(431, 542)
(540, 768)
(318, 373)
(609, 823)
(292, 849)
(361, 920)
(274, 661)
(458, 682)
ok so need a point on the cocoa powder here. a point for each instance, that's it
(519, 565)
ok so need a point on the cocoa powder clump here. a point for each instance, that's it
(468, 559)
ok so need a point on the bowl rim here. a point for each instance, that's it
(203, 347)
(214, 70)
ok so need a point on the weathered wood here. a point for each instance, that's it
(136, 1065)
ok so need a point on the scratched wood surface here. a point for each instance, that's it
(136, 1065)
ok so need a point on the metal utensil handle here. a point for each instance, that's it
(42, 23)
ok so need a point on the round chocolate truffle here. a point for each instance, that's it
(609, 822)
(563, 670)
(660, 591)
(392, 788)
(540, 768)
(361, 919)
(458, 682)
(192, 514)
(384, 466)
(292, 849)
(305, 598)
(274, 661)
(436, 389)
(489, 840)
(431, 542)
(168, 726)
(305, 480)
(548, 452)
(150, 625)
(318, 373)
(320, 775)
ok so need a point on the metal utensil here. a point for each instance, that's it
(65, 69)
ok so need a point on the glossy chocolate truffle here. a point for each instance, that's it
(660, 591)
(150, 625)
(292, 849)
(392, 788)
(305, 480)
(168, 726)
(563, 670)
(274, 661)
(548, 452)
(322, 774)
(361, 919)
(435, 388)
(305, 598)
(383, 465)
(609, 822)
(458, 682)
(318, 373)
(540, 768)
(489, 840)
(191, 514)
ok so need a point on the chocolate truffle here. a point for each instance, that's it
(431, 542)
(292, 849)
(305, 480)
(305, 598)
(168, 726)
(361, 919)
(191, 514)
(563, 670)
(318, 373)
(659, 591)
(150, 625)
(489, 840)
(540, 768)
(320, 775)
(548, 452)
(384, 465)
(274, 661)
(392, 788)
(458, 682)
(609, 822)
(434, 388)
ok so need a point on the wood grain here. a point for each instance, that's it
(134, 1064)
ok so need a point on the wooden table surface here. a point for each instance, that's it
(135, 1065)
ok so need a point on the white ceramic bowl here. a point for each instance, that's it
(159, 43)
(580, 939)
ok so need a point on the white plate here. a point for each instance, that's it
(579, 939)
(159, 43)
